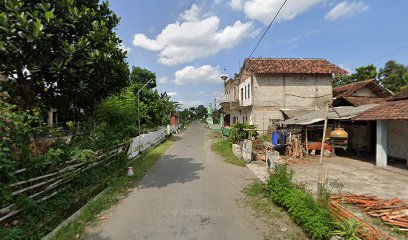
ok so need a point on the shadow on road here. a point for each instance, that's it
(175, 138)
(96, 237)
(170, 170)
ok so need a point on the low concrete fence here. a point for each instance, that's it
(145, 141)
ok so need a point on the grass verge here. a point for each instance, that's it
(115, 191)
(279, 224)
(224, 149)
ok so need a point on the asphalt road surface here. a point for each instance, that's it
(191, 193)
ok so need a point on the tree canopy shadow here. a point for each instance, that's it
(170, 170)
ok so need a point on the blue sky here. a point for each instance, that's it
(189, 44)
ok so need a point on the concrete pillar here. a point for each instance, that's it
(382, 142)
(50, 119)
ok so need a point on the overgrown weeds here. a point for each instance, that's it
(224, 149)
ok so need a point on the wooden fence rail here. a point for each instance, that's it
(59, 178)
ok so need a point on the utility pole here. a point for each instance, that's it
(320, 180)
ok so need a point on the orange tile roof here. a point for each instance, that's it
(392, 110)
(349, 89)
(358, 101)
(401, 95)
(293, 65)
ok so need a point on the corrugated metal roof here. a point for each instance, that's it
(346, 112)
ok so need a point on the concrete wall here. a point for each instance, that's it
(357, 134)
(244, 115)
(264, 118)
(398, 139)
(144, 141)
(284, 90)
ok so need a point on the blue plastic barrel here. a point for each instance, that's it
(275, 139)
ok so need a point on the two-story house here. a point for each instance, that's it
(266, 88)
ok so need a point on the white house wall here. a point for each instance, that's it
(245, 96)
(364, 92)
(398, 139)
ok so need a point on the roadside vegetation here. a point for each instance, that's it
(117, 189)
(240, 132)
(77, 68)
(313, 217)
(280, 225)
(224, 149)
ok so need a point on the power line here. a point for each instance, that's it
(263, 35)
(391, 53)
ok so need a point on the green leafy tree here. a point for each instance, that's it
(60, 54)
(186, 116)
(155, 108)
(141, 76)
(394, 76)
(201, 111)
(361, 74)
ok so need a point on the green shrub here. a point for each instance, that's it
(348, 229)
(314, 218)
(238, 134)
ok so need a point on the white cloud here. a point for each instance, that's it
(192, 75)
(236, 4)
(203, 93)
(124, 47)
(188, 40)
(217, 1)
(264, 10)
(191, 15)
(189, 104)
(298, 37)
(163, 80)
(346, 9)
(171, 94)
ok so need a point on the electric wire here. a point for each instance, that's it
(269, 26)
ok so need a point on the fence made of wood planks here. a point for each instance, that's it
(41, 188)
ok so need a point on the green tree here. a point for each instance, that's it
(186, 116)
(394, 76)
(60, 54)
(155, 108)
(361, 74)
(201, 111)
(141, 76)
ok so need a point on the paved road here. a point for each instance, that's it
(189, 194)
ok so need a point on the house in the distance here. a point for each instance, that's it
(391, 121)
(360, 93)
(266, 90)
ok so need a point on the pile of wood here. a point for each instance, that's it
(392, 211)
(295, 148)
(259, 148)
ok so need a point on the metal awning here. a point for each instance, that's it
(346, 113)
